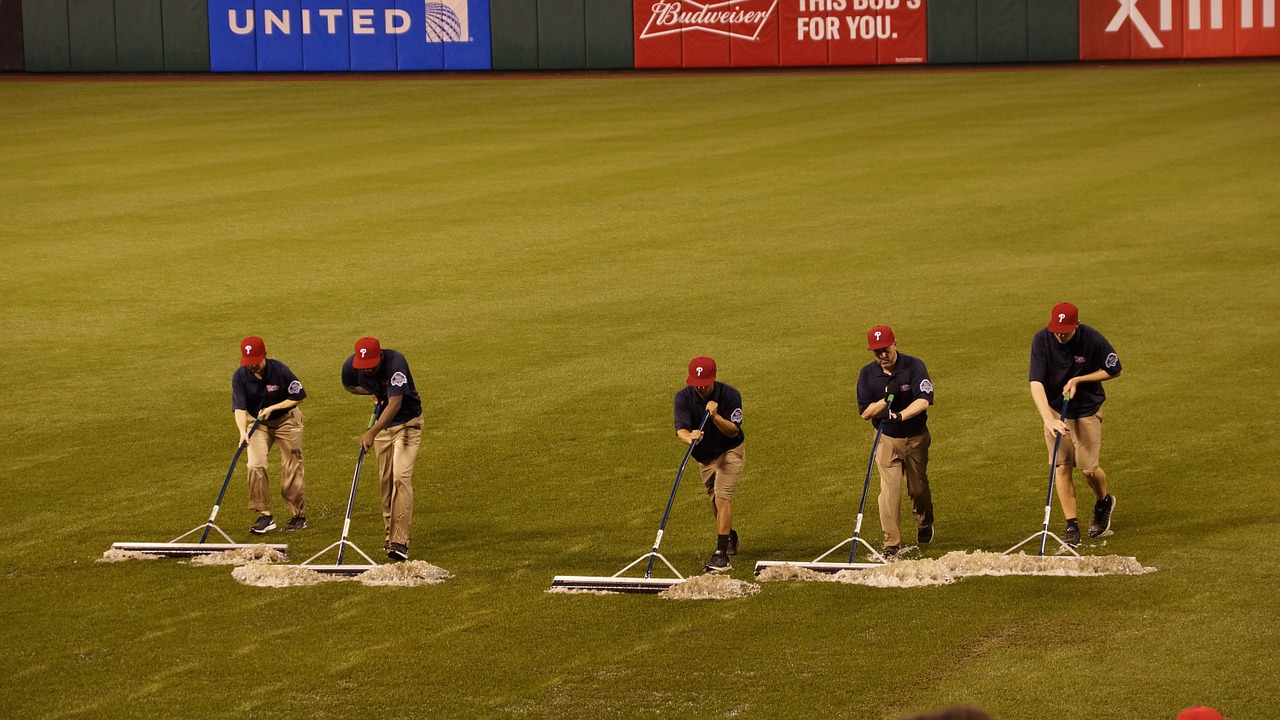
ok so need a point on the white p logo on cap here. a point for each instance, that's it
(1061, 317)
(362, 352)
(248, 349)
(699, 372)
(877, 335)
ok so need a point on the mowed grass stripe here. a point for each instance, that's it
(549, 254)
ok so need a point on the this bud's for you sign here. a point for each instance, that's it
(763, 33)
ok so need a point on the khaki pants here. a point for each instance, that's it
(720, 476)
(287, 433)
(1082, 444)
(397, 449)
(899, 458)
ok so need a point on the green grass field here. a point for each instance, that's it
(549, 253)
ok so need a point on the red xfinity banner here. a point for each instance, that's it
(759, 33)
(1163, 29)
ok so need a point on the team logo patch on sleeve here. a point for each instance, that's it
(295, 387)
(926, 386)
(1112, 360)
(736, 416)
(399, 379)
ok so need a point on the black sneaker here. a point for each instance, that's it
(889, 551)
(733, 542)
(924, 534)
(719, 562)
(1101, 524)
(297, 522)
(397, 551)
(1072, 535)
(264, 525)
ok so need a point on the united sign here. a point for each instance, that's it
(342, 35)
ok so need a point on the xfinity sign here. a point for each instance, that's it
(357, 35)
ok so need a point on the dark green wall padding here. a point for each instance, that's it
(139, 35)
(1053, 30)
(91, 26)
(514, 24)
(1002, 31)
(46, 45)
(953, 31)
(562, 35)
(610, 39)
(186, 35)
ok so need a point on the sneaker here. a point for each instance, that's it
(924, 534)
(1072, 535)
(733, 542)
(264, 525)
(297, 522)
(889, 551)
(397, 551)
(719, 562)
(1101, 524)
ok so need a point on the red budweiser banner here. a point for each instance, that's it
(759, 33)
(1143, 29)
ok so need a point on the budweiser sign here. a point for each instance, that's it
(722, 18)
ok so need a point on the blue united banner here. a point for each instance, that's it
(348, 35)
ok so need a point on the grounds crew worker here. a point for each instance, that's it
(269, 391)
(904, 441)
(394, 436)
(720, 452)
(1073, 358)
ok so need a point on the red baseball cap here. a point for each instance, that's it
(1064, 319)
(368, 353)
(880, 336)
(1200, 712)
(702, 372)
(252, 350)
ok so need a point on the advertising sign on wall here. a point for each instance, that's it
(348, 35)
(687, 33)
(1165, 29)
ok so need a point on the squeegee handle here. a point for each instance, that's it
(227, 481)
(866, 483)
(351, 499)
(671, 500)
(1053, 461)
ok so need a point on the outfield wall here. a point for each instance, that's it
(427, 35)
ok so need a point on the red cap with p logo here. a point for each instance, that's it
(252, 350)
(702, 372)
(368, 353)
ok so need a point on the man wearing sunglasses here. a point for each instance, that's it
(903, 453)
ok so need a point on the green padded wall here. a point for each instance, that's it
(45, 46)
(514, 24)
(1002, 31)
(11, 35)
(610, 39)
(139, 36)
(91, 26)
(953, 31)
(562, 35)
(1053, 30)
(186, 35)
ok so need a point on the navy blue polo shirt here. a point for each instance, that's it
(690, 409)
(278, 383)
(390, 379)
(1054, 363)
(908, 382)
